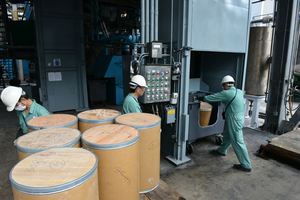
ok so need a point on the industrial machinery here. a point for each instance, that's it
(259, 60)
(158, 80)
(194, 52)
(164, 80)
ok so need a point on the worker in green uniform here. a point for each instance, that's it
(15, 98)
(233, 98)
(137, 87)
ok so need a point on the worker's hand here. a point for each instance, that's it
(203, 100)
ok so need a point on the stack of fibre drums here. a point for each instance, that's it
(53, 121)
(96, 117)
(55, 174)
(148, 126)
(41, 140)
(117, 147)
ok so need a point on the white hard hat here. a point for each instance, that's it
(10, 97)
(138, 80)
(227, 79)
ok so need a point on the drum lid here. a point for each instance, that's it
(47, 138)
(139, 120)
(110, 136)
(53, 170)
(98, 115)
(53, 120)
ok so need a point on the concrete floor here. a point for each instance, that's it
(8, 157)
(210, 178)
(205, 177)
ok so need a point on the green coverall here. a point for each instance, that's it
(36, 110)
(234, 121)
(131, 104)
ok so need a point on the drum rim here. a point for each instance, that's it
(95, 121)
(149, 190)
(54, 189)
(110, 146)
(140, 126)
(73, 142)
(59, 126)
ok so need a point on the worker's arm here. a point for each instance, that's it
(220, 96)
(22, 122)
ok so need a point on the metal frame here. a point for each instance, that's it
(291, 56)
(285, 24)
(185, 41)
(179, 156)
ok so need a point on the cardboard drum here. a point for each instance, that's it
(117, 147)
(55, 174)
(148, 126)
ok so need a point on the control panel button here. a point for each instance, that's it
(159, 82)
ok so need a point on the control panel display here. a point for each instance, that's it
(158, 79)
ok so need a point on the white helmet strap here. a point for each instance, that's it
(133, 85)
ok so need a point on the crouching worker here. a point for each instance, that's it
(14, 98)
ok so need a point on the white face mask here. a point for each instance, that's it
(20, 107)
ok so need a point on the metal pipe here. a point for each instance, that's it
(179, 156)
(292, 54)
(275, 110)
(147, 21)
(171, 32)
(142, 21)
(20, 70)
(246, 48)
(152, 21)
(271, 53)
(156, 21)
(269, 70)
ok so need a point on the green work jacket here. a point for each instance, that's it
(131, 104)
(36, 110)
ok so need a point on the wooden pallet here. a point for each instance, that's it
(285, 148)
(162, 192)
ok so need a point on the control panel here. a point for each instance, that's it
(158, 79)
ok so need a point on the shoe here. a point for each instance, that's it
(241, 168)
(215, 152)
